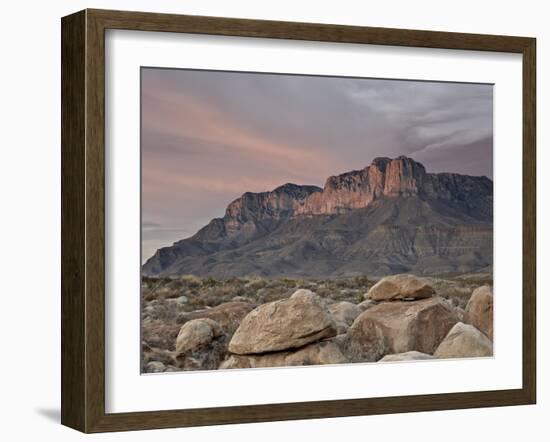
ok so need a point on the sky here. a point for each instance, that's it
(209, 136)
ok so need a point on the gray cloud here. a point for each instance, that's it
(209, 136)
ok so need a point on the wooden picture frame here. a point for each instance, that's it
(83, 220)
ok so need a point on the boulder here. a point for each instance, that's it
(407, 356)
(155, 367)
(305, 294)
(479, 310)
(400, 287)
(182, 300)
(365, 341)
(308, 296)
(195, 334)
(398, 327)
(282, 325)
(344, 313)
(325, 352)
(200, 345)
(464, 341)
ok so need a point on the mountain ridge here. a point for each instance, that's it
(375, 219)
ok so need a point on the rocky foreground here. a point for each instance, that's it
(398, 318)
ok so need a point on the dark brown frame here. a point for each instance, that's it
(83, 216)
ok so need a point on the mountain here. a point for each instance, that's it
(389, 217)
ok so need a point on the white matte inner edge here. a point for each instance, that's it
(127, 390)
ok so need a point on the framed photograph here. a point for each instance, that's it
(267, 220)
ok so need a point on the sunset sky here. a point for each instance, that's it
(208, 137)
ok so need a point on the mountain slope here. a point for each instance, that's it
(389, 217)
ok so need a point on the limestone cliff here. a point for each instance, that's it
(389, 217)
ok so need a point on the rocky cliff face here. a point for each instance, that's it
(357, 189)
(399, 177)
(388, 217)
(278, 204)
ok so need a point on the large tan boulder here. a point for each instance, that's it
(407, 356)
(400, 287)
(464, 341)
(282, 325)
(200, 345)
(344, 313)
(399, 327)
(365, 341)
(202, 340)
(325, 352)
(196, 333)
(479, 310)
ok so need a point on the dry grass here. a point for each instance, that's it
(162, 293)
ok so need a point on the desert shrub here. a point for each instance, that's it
(356, 282)
(304, 284)
(163, 310)
(475, 279)
(169, 292)
(342, 283)
(291, 283)
(274, 283)
(148, 295)
(210, 292)
(209, 282)
(191, 281)
(173, 294)
(254, 285)
(270, 294)
(158, 355)
(323, 292)
(362, 282)
(211, 298)
(195, 303)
